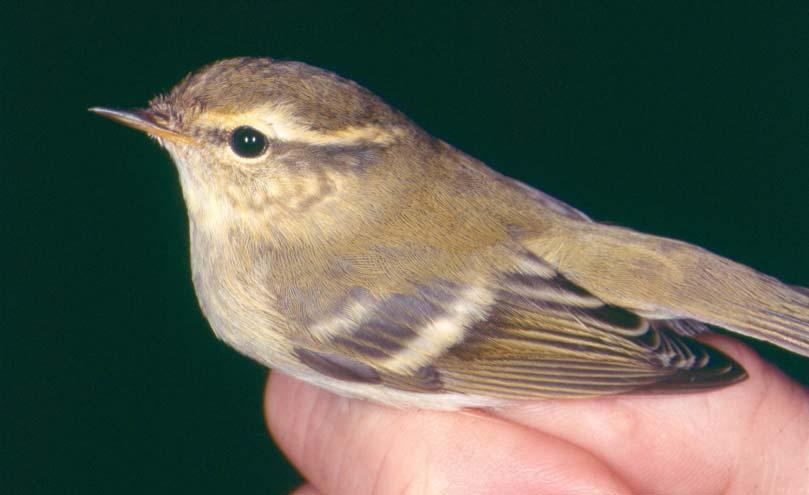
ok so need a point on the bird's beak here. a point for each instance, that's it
(143, 120)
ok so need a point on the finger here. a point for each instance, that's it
(306, 490)
(352, 446)
(723, 441)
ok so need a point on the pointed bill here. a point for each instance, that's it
(142, 120)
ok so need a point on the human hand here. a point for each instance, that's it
(749, 438)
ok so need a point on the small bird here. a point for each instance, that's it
(335, 240)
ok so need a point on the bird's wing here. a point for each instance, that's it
(530, 333)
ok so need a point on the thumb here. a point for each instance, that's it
(352, 446)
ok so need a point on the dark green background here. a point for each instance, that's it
(686, 121)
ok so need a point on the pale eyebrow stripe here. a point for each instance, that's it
(279, 124)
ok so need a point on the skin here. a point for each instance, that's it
(749, 438)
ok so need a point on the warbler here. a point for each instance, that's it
(335, 240)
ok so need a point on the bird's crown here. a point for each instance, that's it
(300, 102)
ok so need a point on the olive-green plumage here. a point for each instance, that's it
(335, 240)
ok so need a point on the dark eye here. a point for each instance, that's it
(247, 142)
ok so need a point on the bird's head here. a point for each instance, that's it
(281, 148)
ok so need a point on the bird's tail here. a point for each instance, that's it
(779, 316)
(668, 278)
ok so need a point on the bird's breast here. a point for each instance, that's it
(233, 290)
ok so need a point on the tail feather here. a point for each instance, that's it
(664, 278)
(782, 319)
